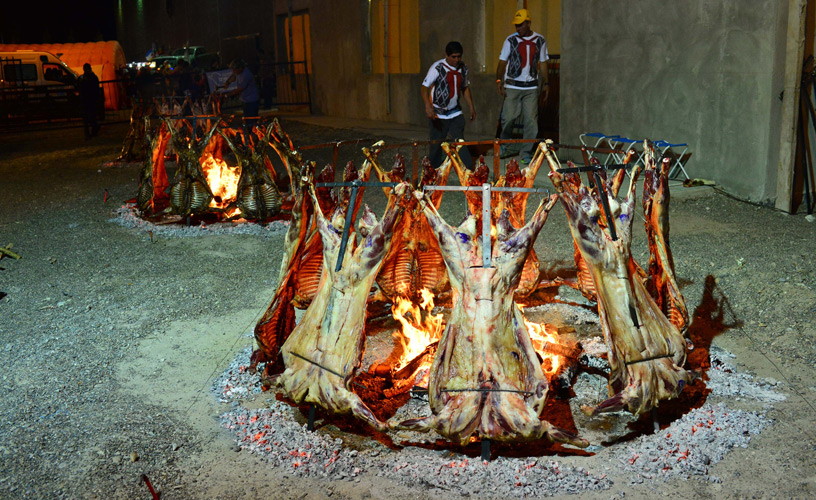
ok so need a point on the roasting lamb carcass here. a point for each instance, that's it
(486, 379)
(516, 203)
(257, 196)
(279, 319)
(152, 196)
(414, 262)
(662, 282)
(190, 193)
(646, 352)
(325, 349)
(472, 178)
(310, 265)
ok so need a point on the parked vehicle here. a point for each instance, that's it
(196, 55)
(32, 68)
(38, 86)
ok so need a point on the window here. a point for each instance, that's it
(56, 73)
(403, 36)
(20, 72)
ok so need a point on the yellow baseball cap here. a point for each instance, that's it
(521, 16)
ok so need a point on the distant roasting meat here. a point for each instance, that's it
(190, 193)
(152, 197)
(413, 263)
(486, 379)
(258, 196)
(646, 351)
(325, 349)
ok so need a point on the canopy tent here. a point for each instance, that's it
(105, 58)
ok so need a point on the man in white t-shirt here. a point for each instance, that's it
(445, 83)
(522, 78)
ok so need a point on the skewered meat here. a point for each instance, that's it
(190, 193)
(414, 262)
(486, 379)
(516, 204)
(584, 283)
(662, 283)
(310, 266)
(152, 196)
(132, 149)
(310, 269)
(279, 319)
(257, 196)
(646, 352)
(331, 334)
(474, 178)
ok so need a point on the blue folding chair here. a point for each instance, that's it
(601, 140)
(666, 148)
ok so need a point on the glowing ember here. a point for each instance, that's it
(420, 329)
(223, 180)
(544, 343)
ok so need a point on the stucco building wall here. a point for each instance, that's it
(706, 73)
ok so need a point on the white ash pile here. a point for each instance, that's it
(273, 434)
(127, 216)
(687, 448)
(690, 445)
(236, 383)
(725, 381)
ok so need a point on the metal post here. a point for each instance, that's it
(347, 228)
(486, 225)
(310, 423)
(415, 162)
(486, 450)
(610, 220)
(496, 158)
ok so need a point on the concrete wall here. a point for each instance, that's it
(702, 72)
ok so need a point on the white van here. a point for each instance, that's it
(29, 67)
(36, 86)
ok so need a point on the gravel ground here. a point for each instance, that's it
(112, 339)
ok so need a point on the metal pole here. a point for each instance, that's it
(486, 253)
(347, 228)
(610, 221)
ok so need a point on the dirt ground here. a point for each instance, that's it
(111, 337)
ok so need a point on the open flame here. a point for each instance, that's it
(222, 179)
(419, 329)
(546, 344)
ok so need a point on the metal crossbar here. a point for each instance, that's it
(488, 390)
(595, 169)
(355, 185)
(486, 188)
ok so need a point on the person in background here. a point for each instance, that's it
(522, 79)
(88, 87)
(445, 82)
(246, 89)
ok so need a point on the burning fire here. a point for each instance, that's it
(419, 329)
(545, 344)
(223, 180)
